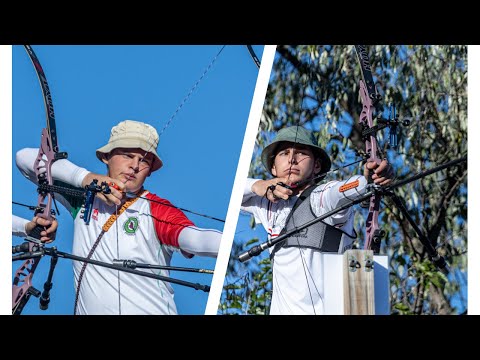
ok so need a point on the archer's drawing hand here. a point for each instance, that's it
(272, 189)
(383, 172)
(49, 226)
(117, 190)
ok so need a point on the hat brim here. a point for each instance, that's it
(129, 144)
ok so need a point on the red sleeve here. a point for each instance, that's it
(167, 220)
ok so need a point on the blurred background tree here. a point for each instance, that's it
(317, 87)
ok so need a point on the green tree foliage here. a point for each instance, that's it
(318, 87)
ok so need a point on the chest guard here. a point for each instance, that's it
(320, 236)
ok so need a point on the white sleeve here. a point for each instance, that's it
(250, 199)
(18, 226)
(197, 241)
(335, 194)
(62, 170)
(338, 193)
(258, 206)
(247, 192)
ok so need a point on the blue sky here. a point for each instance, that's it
(94, 88)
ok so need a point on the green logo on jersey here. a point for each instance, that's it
(130, 225)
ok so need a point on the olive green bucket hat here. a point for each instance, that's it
(133, 134)
(296, 135)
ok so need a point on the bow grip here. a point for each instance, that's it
(36, 232)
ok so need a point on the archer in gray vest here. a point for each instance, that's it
(295, 195)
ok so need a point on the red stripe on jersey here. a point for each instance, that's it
(167, 220)
(269, 231)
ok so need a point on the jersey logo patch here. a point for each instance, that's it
(130, 225)
(95, 214)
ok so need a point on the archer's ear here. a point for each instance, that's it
(317, 167)
(274, 171)
(105, 158)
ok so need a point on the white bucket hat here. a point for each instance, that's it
(133, 134)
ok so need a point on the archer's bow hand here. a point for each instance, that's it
(117, 188)
(49, 226)
(383, 173)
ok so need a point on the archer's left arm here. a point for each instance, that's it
(337, 193)
(173, 228)
(198, 241)
(23, 227)
(19, 226)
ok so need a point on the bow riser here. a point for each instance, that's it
(366, 119)
(369, 98)
(43, 170)
(47, 154)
